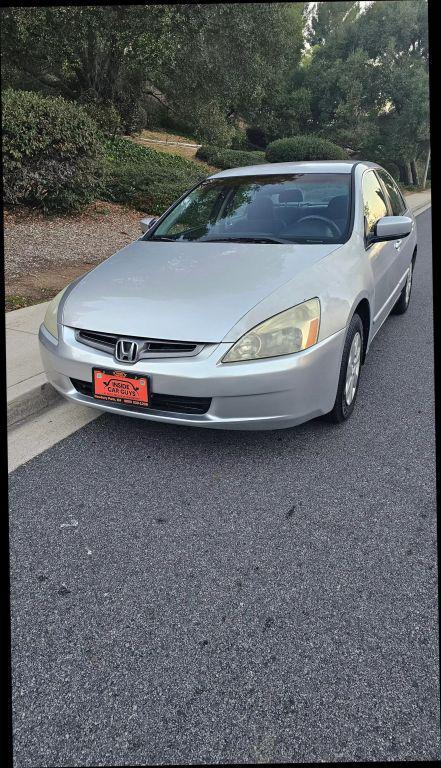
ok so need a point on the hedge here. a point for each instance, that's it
(144, 178)
(52, 155)
(57, 159)
(297, 148)
(228, 158)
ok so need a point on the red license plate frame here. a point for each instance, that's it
(121, 387)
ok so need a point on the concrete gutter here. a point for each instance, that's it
(28, 391)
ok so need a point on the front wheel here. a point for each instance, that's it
(349, 373)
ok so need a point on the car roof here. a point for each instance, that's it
(307, 166)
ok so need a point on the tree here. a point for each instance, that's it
(103, 53)
(284, 108)
(369, 80)
(327, 18)
(227, 63)
(395, 34)
(205, 63)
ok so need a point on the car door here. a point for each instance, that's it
(381, 255)
(403, 248)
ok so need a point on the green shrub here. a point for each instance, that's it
(297, 148)
(228, 158)
(144, 178)
(240, 141)
(210, 125)
(52, 156)
(106, 116)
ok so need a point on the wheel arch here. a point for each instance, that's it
(363, 310)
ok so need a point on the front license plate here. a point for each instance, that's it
(120, 387)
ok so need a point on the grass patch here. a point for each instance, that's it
(15, 301)
(146, 179)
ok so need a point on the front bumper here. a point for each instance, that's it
(260, 394)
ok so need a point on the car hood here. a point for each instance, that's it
(183, 291)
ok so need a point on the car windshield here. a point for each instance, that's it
(296, 208)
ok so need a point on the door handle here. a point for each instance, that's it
(397, 244)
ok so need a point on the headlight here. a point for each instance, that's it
(290, 331)
(50, 318)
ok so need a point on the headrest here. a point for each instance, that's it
(338, 207)
(261, 208)
(291, 196)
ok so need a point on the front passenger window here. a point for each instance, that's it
(374, 203)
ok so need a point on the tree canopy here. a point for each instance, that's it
(354, 73)
(368, 78)
(197, 60)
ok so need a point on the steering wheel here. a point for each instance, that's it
(332, 224)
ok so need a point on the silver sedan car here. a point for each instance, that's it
(251, 303)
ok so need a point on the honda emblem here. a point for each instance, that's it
(126, 351)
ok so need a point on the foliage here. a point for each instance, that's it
(56, 158)
(87, 53)
(284, 107)
(211, 69)
(210, 124)
(285, 111)
(225, 55)
(228, 158)
(240, 141)
(205, 63)
(368, 78)
(144, 178)
(257, 137)
(17, 301)
(52, 156)
(297, 148)
(329, 18)
(106, 116)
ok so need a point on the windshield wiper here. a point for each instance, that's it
(242, 240)
(160, 237)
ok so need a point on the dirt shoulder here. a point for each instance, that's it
(45, 253)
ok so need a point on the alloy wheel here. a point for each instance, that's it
(353, 369)
(408, 286)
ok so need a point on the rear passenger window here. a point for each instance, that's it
(396, 200)
(374, 203)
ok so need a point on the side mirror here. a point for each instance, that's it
(392, 228)
(147, 223)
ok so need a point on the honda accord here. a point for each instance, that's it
(251, 303)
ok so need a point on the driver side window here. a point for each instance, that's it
(374, 203)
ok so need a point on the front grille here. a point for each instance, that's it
(104, 341)
(148, 348)
(158, 401)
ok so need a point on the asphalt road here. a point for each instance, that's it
(184, 595)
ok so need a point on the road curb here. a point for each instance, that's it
(31, 403)
(422, 208)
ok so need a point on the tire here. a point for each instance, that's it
(402, 304)
(346, 397)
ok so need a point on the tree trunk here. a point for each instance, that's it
(426, 169)
(408, 174)
(402, 172)
(414, 170)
